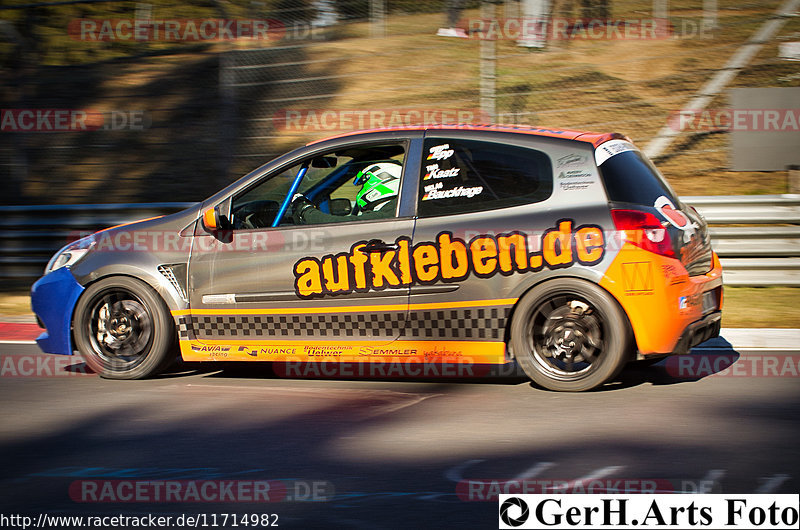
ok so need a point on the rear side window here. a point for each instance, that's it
(630, 177)
(462, 176)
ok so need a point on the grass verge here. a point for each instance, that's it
(760, 307)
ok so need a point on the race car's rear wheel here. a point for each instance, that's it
(569, 335)
(123, 329)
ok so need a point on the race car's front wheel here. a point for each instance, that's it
(123, 329)
(569, 335)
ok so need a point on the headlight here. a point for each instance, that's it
(70, 254)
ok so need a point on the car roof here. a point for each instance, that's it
(593, 138)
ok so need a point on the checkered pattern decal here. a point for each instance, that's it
(458, 324)
(185, 331)
(453, 324)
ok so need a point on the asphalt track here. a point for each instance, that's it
(394, 453)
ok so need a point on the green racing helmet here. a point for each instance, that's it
(379, 184)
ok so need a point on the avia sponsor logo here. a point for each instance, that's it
(447, 259)
(199, 491)
(212, 350)
(43, 365)
(351, 120)
(733, 365)
(172, 30)
(72, 120)
(435, 191)
(433, 172)
(561, 29)
(481, 490)
(773, 120)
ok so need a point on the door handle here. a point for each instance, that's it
(376, 245)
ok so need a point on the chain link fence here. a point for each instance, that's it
(216, 88)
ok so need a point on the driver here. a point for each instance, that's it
(377, 198)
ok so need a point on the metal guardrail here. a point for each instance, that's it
(748, 209)
(30, 235)
(762, 255)
(766, 254)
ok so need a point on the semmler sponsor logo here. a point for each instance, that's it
(658, 512)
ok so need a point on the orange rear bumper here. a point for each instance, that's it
(669, 310)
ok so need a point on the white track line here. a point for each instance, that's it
(532, 472)
(772, 483)
(739, 60)
(455, 473)
(594, 475)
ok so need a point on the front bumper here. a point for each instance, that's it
(53, 299)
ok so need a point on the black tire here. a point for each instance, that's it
(570, 335)
(123, 329)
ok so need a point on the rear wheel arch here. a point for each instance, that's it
(605, 319)
(507, 330)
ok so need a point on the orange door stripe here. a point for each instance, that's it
(347, 309)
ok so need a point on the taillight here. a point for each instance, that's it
(644, 230)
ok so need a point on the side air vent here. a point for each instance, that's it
(176, 275)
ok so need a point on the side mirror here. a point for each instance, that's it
(211, 220)
(340, 206)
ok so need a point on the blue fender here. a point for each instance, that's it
(53, 299)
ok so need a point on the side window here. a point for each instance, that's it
(356, 183)
(462, 176)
